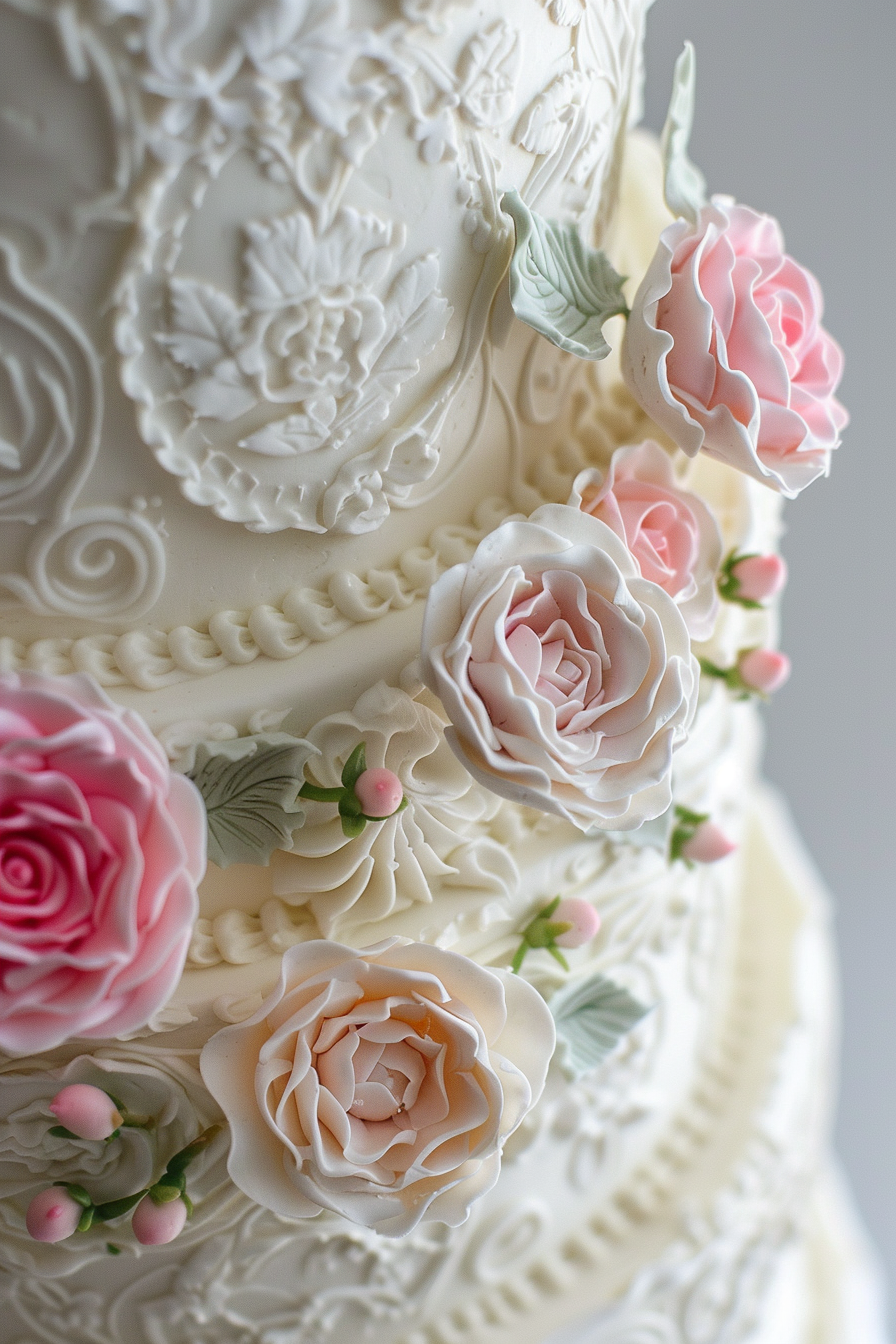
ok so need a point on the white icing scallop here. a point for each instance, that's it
(439, 841)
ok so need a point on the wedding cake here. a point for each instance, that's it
(396, 940)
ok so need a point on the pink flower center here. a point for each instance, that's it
(376, 1079)
(659, 529)
(19, 874)
(559, 647)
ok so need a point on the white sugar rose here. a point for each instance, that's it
(438, 840)
(379, 1084)
(567, 676)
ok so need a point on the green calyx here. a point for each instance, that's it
(685, 828)
(542, 931)
(351, 814)
(731, 677)
(729, 585)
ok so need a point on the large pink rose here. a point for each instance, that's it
(379, 1084)
(725, 349)
(101, 847)
(568, 678)
(670, 532)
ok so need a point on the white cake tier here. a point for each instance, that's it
(260, 387)
(713, 1234)
(249, 254)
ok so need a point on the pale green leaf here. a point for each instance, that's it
(685, 185)
(250, 786)
(591, 1020)
(562, 288)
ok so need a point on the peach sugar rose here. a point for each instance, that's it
(379, 1084)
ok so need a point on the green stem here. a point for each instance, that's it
(316, 794)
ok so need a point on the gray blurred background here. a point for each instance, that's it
(796, 115)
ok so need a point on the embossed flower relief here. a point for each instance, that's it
(567, 13)
(437, 846)
(313, 358)
(207, 81)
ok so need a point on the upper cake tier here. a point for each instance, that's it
(250, 257)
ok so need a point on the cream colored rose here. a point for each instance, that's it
(379, 1084)
(567, 676)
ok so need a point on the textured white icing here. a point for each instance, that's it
(286, 215)
(212, 207)
(441, 839)
(713, 1201)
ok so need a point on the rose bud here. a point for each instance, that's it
(157, 1224)
(53, 1215)
(379, 791)
(763, 670)
(759, 577)
(582, 916)
(87, 1111)
(708, 844)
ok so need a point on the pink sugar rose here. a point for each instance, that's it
(567, 677)
(380, 1084)
(670, 532)
(725, 349)
(101, 848)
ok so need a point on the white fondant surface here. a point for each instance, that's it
(261, 387)
(718, 1225)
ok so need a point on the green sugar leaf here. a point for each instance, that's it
(250, 786)
(685, 185)
(592, 1018)
(355, 766)
(561, 288)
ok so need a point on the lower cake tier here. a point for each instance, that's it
(722, 1232)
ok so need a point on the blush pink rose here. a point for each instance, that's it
(101, 848)
(380, 1084)
(670, 532)
(567, 677)
(725, 349)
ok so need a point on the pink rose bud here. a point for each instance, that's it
(763, 670)
(759, 576)
(379, 792)
(708, 844)
(157, 1224)
(582, 916)
(52, 1215)
(87, 1111)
